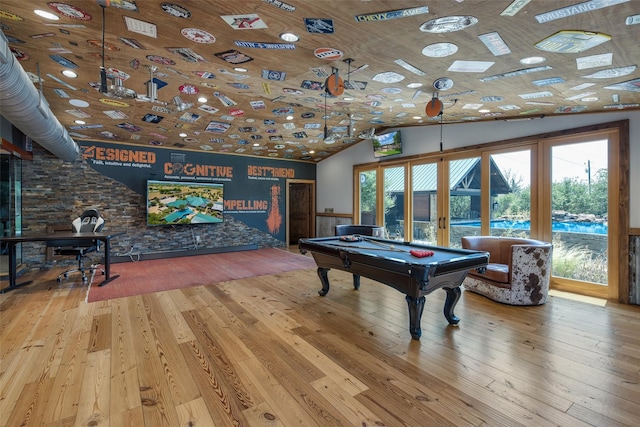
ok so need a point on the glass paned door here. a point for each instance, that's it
(368, 197)
(510, 194)
(424, 182)
(393, 203)
(464, 199)
(579, 211)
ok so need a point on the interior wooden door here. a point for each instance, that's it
(300, 214)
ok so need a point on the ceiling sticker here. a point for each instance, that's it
(205, 74)
(11, 16)
(59, 50)
(472, 106)
(42, 35)
(208, 108)
(78, 113)
(131, 42)
(448, 24)
(571, 41)
(535, 95)
(404, 64)
(189, 89)
(69, 11)
(114, 73)
(327, 53)
(570, 109)
(495, 44)
(108, 46)
(161, 60)
(49, 24)
(516, 73)
(388, 77)
(392, 14)
(509, 107)
(514, 7)
(14, 40)
(129, 127)
(539, 103)
(309, 84)
(244, 22)
(233, 56)
(114, 102)
(594, 61)
(109, 135)
(319, 25)
(281, 5)
(451, 95)
(237, 85)
(548, 81)
(258, 105)
(260, 45)
(189, 117)
(439, 50)
(63, 61)
(20, 55)
(141, 27)
(612, 72)
(274, 75)
(61, 93)
(292, 91)
(620, 106)
(581, 95)
(391, 90)
(197, 35)
(176, 10)
(116, 114)
(492, 99)
(187, 54)
(629, 85)
(460, 66)
(576, 9)
(582, 86)
(234, 75)
(226, 101)
(632, 20)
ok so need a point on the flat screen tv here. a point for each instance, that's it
(175, 203)
(387, 144)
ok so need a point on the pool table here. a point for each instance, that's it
(392, 263)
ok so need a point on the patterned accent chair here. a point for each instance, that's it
(518, 273)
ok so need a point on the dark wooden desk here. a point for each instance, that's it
(12, 241)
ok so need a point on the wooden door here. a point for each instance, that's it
(300, 215)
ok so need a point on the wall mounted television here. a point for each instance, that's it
(177, 203)
(387, 144)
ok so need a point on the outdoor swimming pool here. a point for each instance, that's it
(566, 227)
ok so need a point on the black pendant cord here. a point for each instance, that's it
(103, 71)
(441, 132)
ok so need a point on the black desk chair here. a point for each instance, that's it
(89, 221)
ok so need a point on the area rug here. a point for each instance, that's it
(137, 278)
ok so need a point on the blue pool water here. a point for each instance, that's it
(567, 227)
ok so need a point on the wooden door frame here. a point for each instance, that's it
(312, 183)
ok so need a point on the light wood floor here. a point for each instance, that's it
(269, 351)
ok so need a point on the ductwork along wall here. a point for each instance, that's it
(22, 105)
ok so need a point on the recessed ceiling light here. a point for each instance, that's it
(182, 135)
(484, 111)
(46, 15)
(533, 60)
(240, 69)
(79, 103)
(80, 122)
(255, 144)
(417, 117)
(289, 37)
(311, 152)
(202, 99)
(289, 117)
(414, 85)
(69, 74)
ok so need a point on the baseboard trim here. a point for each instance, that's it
(181, 253)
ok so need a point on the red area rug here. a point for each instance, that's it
(143, 277)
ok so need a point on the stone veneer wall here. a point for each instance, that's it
(55, 192)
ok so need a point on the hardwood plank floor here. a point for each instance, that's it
(268, 351)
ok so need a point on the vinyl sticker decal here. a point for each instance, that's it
(69, 11)
(233, 56)
(448, 24)
(244, 22)
(612, 72)
(176, 10)
(571, 41)
(392, 14)
(439, 50)
(197, 35)
(327, 53)
(319, 26)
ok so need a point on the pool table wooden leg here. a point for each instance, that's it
(323, 274)
(416, 307)
(453, 295)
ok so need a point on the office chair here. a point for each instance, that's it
(89, 221)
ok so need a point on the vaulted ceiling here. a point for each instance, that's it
(482, 60)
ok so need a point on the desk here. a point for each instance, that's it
(12, 241)
(389, 262)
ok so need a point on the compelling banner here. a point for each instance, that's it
(254, 188)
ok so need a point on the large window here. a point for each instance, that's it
(564, 187)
